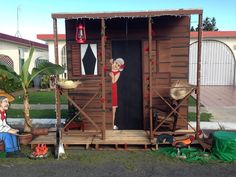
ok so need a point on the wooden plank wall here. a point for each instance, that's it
(170, 50)
(170, 47)
(90, 86)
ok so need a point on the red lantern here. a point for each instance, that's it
(80, 35)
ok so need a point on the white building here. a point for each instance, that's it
(49, 39)
(218, 63)
(14, 51)
(218, 56)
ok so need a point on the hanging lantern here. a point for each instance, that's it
(80, 35)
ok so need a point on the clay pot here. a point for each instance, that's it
(39, 131)
(25, 138)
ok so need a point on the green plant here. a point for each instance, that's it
(74, 114)
(25, 78)
(9, 84)
(45, 81)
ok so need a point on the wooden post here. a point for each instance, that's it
(150, 73)
(103, 78)
(199, 52)
(57, 93)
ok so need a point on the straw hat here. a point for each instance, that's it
(8, 96)
(180, 89)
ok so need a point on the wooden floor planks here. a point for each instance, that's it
(114, 138)
(218, 96)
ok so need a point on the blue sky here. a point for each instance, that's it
(35, 15)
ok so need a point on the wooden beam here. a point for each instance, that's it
(199, 52)
(103, 79)
(57, 94)
(150, 73)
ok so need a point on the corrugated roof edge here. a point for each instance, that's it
(25, 42)
(147, 13)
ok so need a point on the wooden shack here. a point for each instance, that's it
(155, 48)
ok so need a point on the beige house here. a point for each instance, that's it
(14, 51)
(218, 56)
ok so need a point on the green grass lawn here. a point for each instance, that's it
(191, 101)
(41, 97)
(205, 117)
(49, 113)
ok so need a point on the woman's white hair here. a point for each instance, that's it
(121, 62)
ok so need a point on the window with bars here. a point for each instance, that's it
(7, 60)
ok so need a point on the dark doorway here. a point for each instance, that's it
(129, 114)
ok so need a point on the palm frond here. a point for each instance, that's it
(25, 75)
(8, 72)
(47, 68)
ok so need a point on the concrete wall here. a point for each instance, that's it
(61, 44)
(51, 54)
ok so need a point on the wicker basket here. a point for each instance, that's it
(68, 84)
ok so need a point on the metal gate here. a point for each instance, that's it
(217, 65)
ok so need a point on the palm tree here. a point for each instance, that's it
(25, 78)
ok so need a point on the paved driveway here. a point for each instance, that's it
(220, 101)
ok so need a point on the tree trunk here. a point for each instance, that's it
(28, 121)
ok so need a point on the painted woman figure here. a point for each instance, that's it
(8, 134)
(116, 68)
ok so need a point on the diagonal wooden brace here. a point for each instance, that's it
(81, 110)
(174, 110)
(91, 99)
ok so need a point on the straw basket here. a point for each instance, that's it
(180, 89)
(68, 84)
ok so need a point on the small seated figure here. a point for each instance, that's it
(8, 134)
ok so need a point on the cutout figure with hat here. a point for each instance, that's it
(7, 133)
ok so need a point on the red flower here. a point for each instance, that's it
(105, 68)
(102, 100)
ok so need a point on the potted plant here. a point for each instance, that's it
(25, 78)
